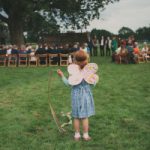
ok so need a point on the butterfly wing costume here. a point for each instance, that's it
(88, 73)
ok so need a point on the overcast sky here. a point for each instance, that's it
(128, 13)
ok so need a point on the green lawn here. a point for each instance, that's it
(122, 101)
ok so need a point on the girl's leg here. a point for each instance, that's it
(85, 124)
(76, 123)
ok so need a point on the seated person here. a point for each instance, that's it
(148, 54)
(32, 55)
(52, 50)
(28, 48)
(85, 48)
(8, 49)
(116, 55)
(15, 50)
(2, 54)
(130, 54)
(136, 52)
(65, 49)
(74, 48)
(123, 54)
(144, 51)
(2, 50)
(41, 50)
(22, 50)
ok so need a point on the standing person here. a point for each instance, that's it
(108, 46)
(102, 46)
(90, 45)
(94, 43)
(114, 46)
(81, 77)
(130, 46)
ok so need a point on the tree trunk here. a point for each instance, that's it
(16, 31)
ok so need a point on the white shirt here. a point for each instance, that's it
(102, 41)
(9, 51)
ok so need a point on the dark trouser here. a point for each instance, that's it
(102, 50)
(95, 51)
(90, 51)
(130, 57)
(108, 51)
(113, 56)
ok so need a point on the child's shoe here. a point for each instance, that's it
(77, 136)
(86, 137)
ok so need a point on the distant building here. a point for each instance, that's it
(63, 38)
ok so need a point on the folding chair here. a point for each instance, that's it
(63, 59)
(141, 58)
(123, 58)
(3, 60)
(117, 58)
(73, 56)
(12, 60)
(32, 60)
(42, 59)
(53, 59)
(148, 57)
(23, 60)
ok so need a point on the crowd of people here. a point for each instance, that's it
(129, 52)
(34, 51)
(44, 48)
(121, 50)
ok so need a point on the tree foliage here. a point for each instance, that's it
(143, 33)
(100, 33)
(125, 32)
(75, 13)
(3, 33)
(40, 27)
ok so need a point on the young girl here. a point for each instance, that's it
(81, 76)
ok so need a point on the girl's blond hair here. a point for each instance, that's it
(81, 58)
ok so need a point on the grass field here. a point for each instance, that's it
(122, 102)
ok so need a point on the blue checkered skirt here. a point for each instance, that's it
(82, 100)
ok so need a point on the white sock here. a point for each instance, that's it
(86, 135)
(77, 135)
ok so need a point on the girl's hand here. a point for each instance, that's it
(60, 73)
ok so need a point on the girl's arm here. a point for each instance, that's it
(64, 79)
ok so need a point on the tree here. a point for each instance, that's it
(3, 33)
(40, 28)
(143, 33)
(100, 33)
(76, 13)
(125, 32)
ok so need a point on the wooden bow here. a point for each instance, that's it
(61, 130)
